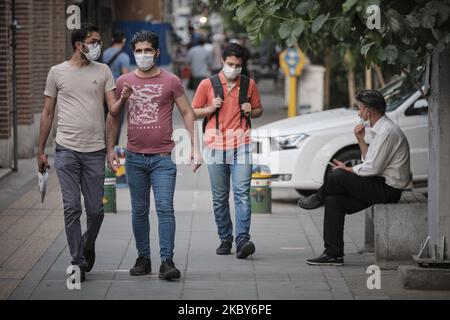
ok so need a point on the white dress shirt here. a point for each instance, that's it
(387, 155)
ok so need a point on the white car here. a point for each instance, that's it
(297, 150)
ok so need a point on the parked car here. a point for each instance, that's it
(297, 150)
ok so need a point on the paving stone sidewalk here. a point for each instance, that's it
(34, 253)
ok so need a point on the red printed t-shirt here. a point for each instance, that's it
(149, 110)
(233, 131)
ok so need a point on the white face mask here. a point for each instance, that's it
(94, 51)
(230, 72)
(365, 123)
(144, 61)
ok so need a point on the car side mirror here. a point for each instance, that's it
(420, 107)
(420, 104)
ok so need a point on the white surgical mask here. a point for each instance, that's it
(230, 72)
(144, 61)
(365, 123)
(94, 51)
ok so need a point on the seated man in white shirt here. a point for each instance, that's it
(383, 174)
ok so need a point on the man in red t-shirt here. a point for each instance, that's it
(149, 94)
(227, 151)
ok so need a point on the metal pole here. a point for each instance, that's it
(14, 86)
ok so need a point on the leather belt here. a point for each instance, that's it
(162, 154)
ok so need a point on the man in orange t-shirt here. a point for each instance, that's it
(227, 151)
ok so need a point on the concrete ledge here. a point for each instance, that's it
(414, 277)
(399, 230)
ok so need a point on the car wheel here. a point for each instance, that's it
(349, 157)
(305, 193)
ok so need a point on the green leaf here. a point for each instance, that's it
(408, 57)
(381, 54)
(285, 29)
(428, 21)
(318, 23)
(274, 7)
(314, 11)
(291, 30)
(348, 5)
(443, 12)
(394, 20)
(299, 26)
(412, 21)
(370, 55)
(267, 25)
(391, 53)
(245, 11)
(447, 38)
(365, 48)
(304, 7)
(341, 28)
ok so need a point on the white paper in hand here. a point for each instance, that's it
(43, 182)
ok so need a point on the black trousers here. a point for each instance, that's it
(346, 193)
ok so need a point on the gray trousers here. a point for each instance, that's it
(85, 171)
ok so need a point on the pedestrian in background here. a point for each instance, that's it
(199, 60)
(119, 63)
(77, 89)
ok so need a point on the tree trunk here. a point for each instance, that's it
(379, 75)
(439, 152)
(351, 87)
(326, 89)
(368, 82)
(349, 62)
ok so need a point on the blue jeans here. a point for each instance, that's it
(237, 164)
(159, 172)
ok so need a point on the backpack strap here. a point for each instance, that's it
(218, 92)
(243, 98)
(113, 58)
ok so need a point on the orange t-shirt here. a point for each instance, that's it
(233, 132)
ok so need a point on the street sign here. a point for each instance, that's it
(292, 61)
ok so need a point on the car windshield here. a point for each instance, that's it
(396, 92)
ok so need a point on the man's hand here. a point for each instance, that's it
(246, 107)
(111, 158)
(42, 162)
(217, 103)
(359, 132)
(126, 92)
(341, 165)
(196, 161)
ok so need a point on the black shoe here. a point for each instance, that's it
(167, 271)
(142, 267)
(90, 258)
(311, 202)
(245, 249)
(326, 260)
(82, 266)
(224, 248)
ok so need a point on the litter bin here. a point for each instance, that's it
(109, 198)
(121, 175)
(261, 193)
